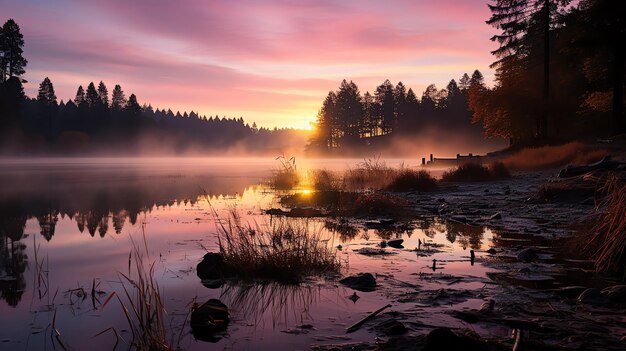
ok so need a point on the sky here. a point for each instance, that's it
(272, 62)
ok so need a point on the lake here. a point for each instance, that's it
(67, 227)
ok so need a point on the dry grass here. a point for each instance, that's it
(143, 305)
(286, 177)
(377, 204)
(325, 180)
(548, 157)
(283, 250)
(608, 243)
(370, 174)
(474, 172)
(409, 180)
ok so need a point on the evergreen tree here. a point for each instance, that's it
(464, 82)
(91, 97)
(118, 99)
(11, 60)
(80, 96)
(385, 104)
(132, 106)
(46, 96)
(103, 94)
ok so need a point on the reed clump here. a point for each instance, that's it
(285, 249)
(286, 177)
(142, 303)
(608, 241)
(412, 180)
(475, 172)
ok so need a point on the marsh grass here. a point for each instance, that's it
(608, 241)
(284, 249)
(372, 173)
(412, 180)
(142, 303)
(377, 204)
(553, 156)
(475, 172)
(286, 177)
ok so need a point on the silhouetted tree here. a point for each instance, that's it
(118, 99)
(91, 97)
(103, 94)
(12, 63)
(80, 96)
(385, 105)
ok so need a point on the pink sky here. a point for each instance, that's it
(271, 62)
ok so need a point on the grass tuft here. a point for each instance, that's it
(410, 180)
(474, 172)
(284, 250)
(608, 243)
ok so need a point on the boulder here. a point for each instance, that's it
(361, 282)
(391, 327)
(209, 318)
(213, 267)
(396, 243)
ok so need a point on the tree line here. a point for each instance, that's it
(350, 119)
(96, 119)
(559, 70)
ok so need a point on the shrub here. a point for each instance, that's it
(408, 179)
(474, 172)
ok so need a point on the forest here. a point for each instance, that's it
(96, 121)
(559, 75)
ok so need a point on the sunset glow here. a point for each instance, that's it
(270, 62)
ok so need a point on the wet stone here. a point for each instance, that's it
(397, 243)
(362, 282)
(213, 267)
(391, 327)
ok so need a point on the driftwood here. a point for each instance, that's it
(606, 164)
(354, 327)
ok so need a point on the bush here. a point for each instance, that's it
(377, 204)
(474, 172)
(408, 179)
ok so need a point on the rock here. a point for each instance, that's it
(213, 267)
(208, 319)
(616, 294)
(396, 243)
(354, 297)
(391, 327)
(443, 339)
(496, 216)
(592, 296)
(213, 283)
(383, 244)
(361, 282)
(528, 255)
(492, 251)
(370, 251)
(487, 306)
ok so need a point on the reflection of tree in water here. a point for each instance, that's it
(390, 232)
(47, 223)
(464, 234)
(431, 227)
(13, 259)
(345, 230)
(285, 302)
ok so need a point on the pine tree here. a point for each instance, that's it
(91, 97)
(11, 61)
(385, 105)
(80, 96)
(132, 106)
(118, 99)
(46, 95)
(464, 82)
(103, 94)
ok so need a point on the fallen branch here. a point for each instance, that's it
(356, 326)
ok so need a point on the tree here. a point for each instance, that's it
(91, 97)
(133, 107)
(399, 98)
(385, 105)
(11, 61)
(118, 99)
(464, 82)
(46, 96)
(103, 94)
(525, 25)
(349, 110)
(80, 96)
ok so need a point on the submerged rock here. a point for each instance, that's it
(391, 327)
(212, 267)
(361, 282)
(528, 255)
(492, 251)
(208, 319)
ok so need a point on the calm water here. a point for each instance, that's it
(67, 224)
